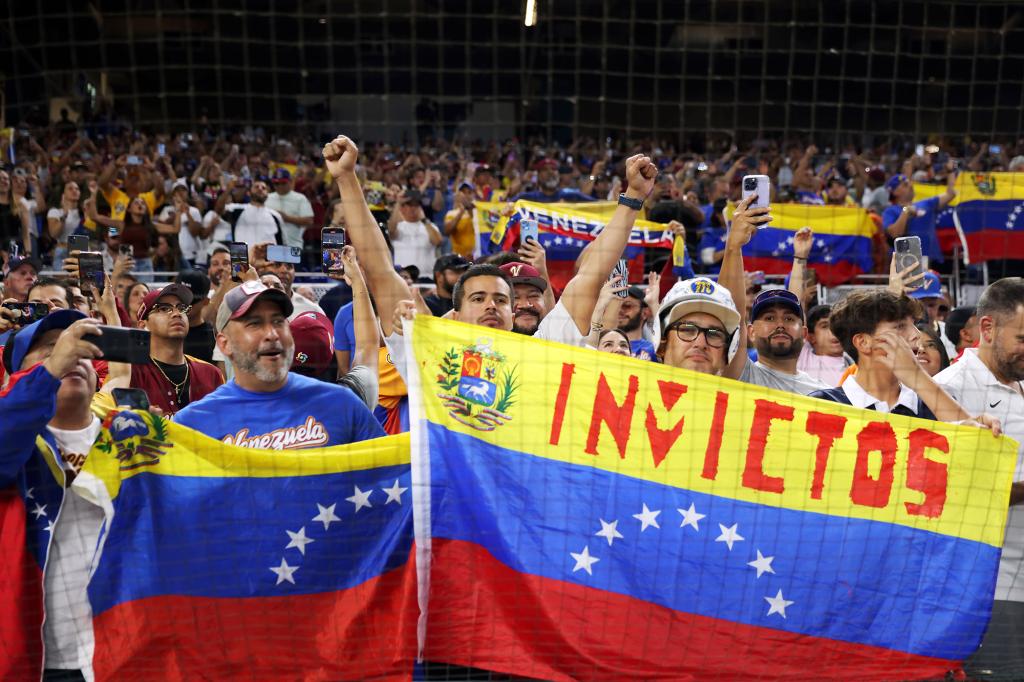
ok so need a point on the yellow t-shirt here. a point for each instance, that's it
(119, 201)
(463, 237)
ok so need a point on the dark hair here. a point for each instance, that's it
(927, 330)
(501, 258)
(1002, 298)
(862, 311)
(128, 295)
(957, 320)
(54, 282)
(816, 314)
(172, 262)
(479, 270)
(606, 332)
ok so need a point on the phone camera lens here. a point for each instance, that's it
(750, 184)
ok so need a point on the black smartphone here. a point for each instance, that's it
(30, 312)
(239, 259)
(332, 241)
(134, 398)
(90, 271)
(78, 242)
(122, 345)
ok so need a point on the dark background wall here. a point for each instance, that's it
(676, 68)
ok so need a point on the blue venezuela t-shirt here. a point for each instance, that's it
(305, 413)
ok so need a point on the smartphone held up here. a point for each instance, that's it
(332, 241)
(760, 187)
(239, 252)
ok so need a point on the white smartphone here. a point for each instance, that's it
(760, 186)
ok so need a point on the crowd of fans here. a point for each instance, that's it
(248, 357)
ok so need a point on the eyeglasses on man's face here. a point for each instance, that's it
(688, 331)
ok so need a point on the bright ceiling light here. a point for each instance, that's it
(530, 16)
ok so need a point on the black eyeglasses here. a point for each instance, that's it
(182, 308)
(688, 331)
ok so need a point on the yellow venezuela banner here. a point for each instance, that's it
(711, 435)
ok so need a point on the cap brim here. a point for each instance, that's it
(730, 318)
(538, 282)
(272, 295)
(183, 293)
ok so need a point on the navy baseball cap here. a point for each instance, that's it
(281, 175)
(20, 342)
(773, 297)
(16, 263)
(895, 181)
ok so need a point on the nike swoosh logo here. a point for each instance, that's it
(995, 403)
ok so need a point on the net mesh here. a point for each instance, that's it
(382, 68)
(399, 70)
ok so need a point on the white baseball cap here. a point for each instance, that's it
(699, 295)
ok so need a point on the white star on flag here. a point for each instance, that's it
(50, 526)
(763, 564)
(820, 243)
(729, 535)
(609, 531)
(557, 240)
(777, 604)
(647, 518)
(29, 495)
(359, 498)
(394, 493)
(583, 560)
(284, 572)
(690, 517)
(298, 540)
(326, 515)
(40, 510)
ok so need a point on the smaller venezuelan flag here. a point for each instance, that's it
(219, 562)
(842, 241)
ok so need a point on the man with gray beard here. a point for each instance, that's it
(264, 405)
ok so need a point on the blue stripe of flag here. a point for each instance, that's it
(848, 579)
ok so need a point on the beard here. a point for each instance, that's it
(250, 363)
(526, 323)
(633, 323)
(778, 349)
(1009, 366)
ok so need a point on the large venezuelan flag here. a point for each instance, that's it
(220, 562)
(587, 516)
(990, 210)
(842, 241)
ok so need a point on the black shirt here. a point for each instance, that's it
(439, 306)
(200, 342)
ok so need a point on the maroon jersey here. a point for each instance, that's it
(203, 378)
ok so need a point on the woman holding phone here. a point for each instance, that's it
(65, 220)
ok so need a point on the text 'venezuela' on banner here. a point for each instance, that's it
(221, 562)
(590, 516)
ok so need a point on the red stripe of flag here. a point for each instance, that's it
(486, 615)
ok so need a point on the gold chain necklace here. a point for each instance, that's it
(177, 387)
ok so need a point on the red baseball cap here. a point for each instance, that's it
(314, 341)
(524, 273)
(183, 293)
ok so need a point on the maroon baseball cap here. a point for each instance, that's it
(314, 341)
(183, 293)
(524, 273)
(237, 302)
(545, 163)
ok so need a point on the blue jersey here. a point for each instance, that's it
(306, 413)
(344, 330)
(642, 349)
(922, 225)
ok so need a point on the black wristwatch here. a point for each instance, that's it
(635, 204)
